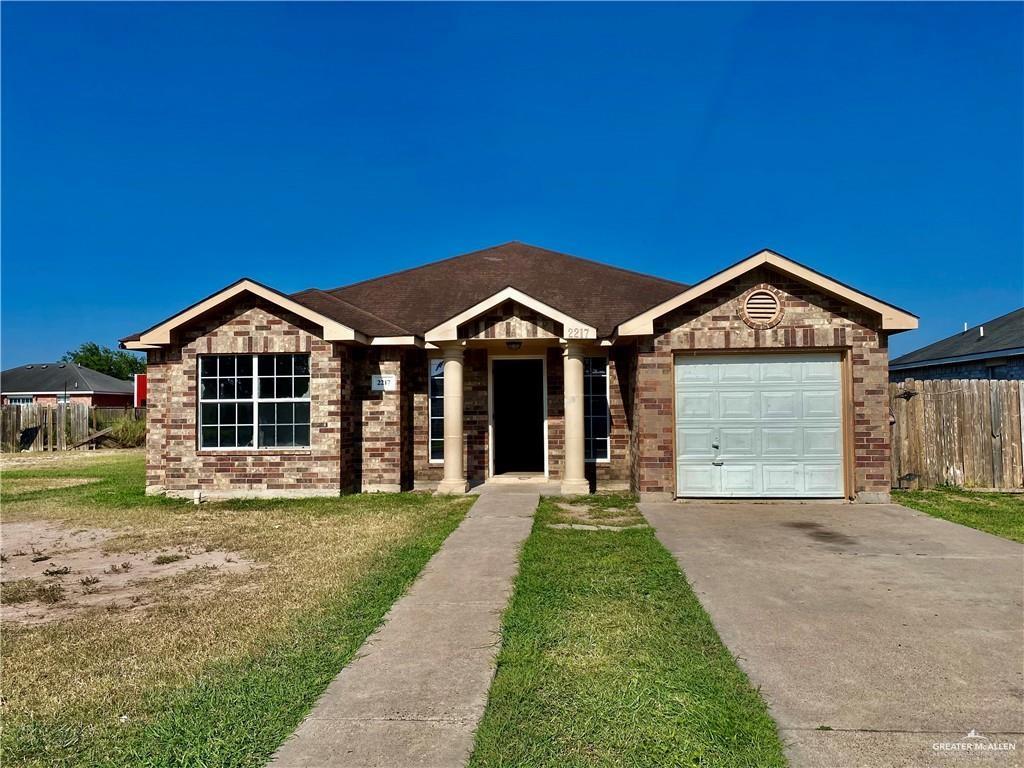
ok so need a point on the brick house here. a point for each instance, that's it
(53, 383)
(992, 350)
(767, 379)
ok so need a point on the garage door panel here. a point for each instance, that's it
(822, 441)
(700, 480)
(738, 373)
(822, 479)
(784, 404)
(739, 479)
(820, 370)
(781, 441)
(821, 405)
(737, 441)
(698, 372)
(695, 442)
(776, 420)
(781, 479)
(698, 405)
(737, 405)
(781, 372)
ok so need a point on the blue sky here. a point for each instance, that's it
(153, 153)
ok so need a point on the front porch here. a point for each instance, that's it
(522, 411)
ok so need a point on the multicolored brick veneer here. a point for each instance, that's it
(177, 467)
(811, 320)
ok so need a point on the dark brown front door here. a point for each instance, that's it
(518, 403)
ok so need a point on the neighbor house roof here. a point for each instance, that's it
(58, 378)
(1003, 336)
(401, 307)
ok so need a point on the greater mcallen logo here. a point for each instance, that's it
(974, 742)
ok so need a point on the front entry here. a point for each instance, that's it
(517, 415)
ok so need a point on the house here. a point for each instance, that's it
(992, 350)
(53, 383)
(767, 379)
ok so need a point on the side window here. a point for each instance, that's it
(596, 418)
(435, 375)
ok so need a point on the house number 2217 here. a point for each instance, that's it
(577, 333)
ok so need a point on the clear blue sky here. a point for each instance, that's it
(153, 153)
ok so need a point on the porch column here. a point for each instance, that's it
(454, 473)
(573, 479)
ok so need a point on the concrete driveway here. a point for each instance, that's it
(874, 632)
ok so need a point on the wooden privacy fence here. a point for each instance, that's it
(56, 427)
(963, 432)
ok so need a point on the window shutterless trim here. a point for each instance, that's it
(254, 401)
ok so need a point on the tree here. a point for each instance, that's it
(113, 362)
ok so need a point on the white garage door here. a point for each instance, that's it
(759, 425)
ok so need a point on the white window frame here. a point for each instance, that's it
(20, 399)
(608, 402)
(430, 414)
(255, 401)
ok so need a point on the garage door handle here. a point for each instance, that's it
(717, 463)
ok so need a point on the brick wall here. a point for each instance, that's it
(378, 420)
(174, 463)
(811, 320)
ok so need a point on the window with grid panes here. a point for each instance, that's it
(436, 397)
(253, 401)
(596, 418)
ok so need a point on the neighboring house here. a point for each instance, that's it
(767, 379)
(992, 350)
(53, 383)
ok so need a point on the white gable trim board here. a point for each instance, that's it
(760, 425)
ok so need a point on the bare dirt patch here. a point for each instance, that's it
(598, 517)
(50, 572)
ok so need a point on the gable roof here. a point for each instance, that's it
(893, 318)
(334, 329)
(58, 377)
(422, 298)
(1003, 335)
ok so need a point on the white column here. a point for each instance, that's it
(573, 479)
(454, 474)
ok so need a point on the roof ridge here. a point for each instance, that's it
(623, 270)
(421, 266)
(348, 303)
(606, 265)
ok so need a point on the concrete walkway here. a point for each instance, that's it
(417, 689)
(873, 632)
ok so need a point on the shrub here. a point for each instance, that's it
(128, 433)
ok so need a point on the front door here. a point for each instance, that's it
(517, 401)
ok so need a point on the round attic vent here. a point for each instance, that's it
(762, 309)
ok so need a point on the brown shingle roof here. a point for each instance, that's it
(421, 298)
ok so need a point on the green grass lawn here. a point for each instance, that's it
(608, 659)
(1001, 514)
(211, 669)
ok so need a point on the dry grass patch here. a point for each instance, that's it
(247, 572)
(605, 511)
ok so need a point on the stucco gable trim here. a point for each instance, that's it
(893, 318)
(449, 329)
(160, 335)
